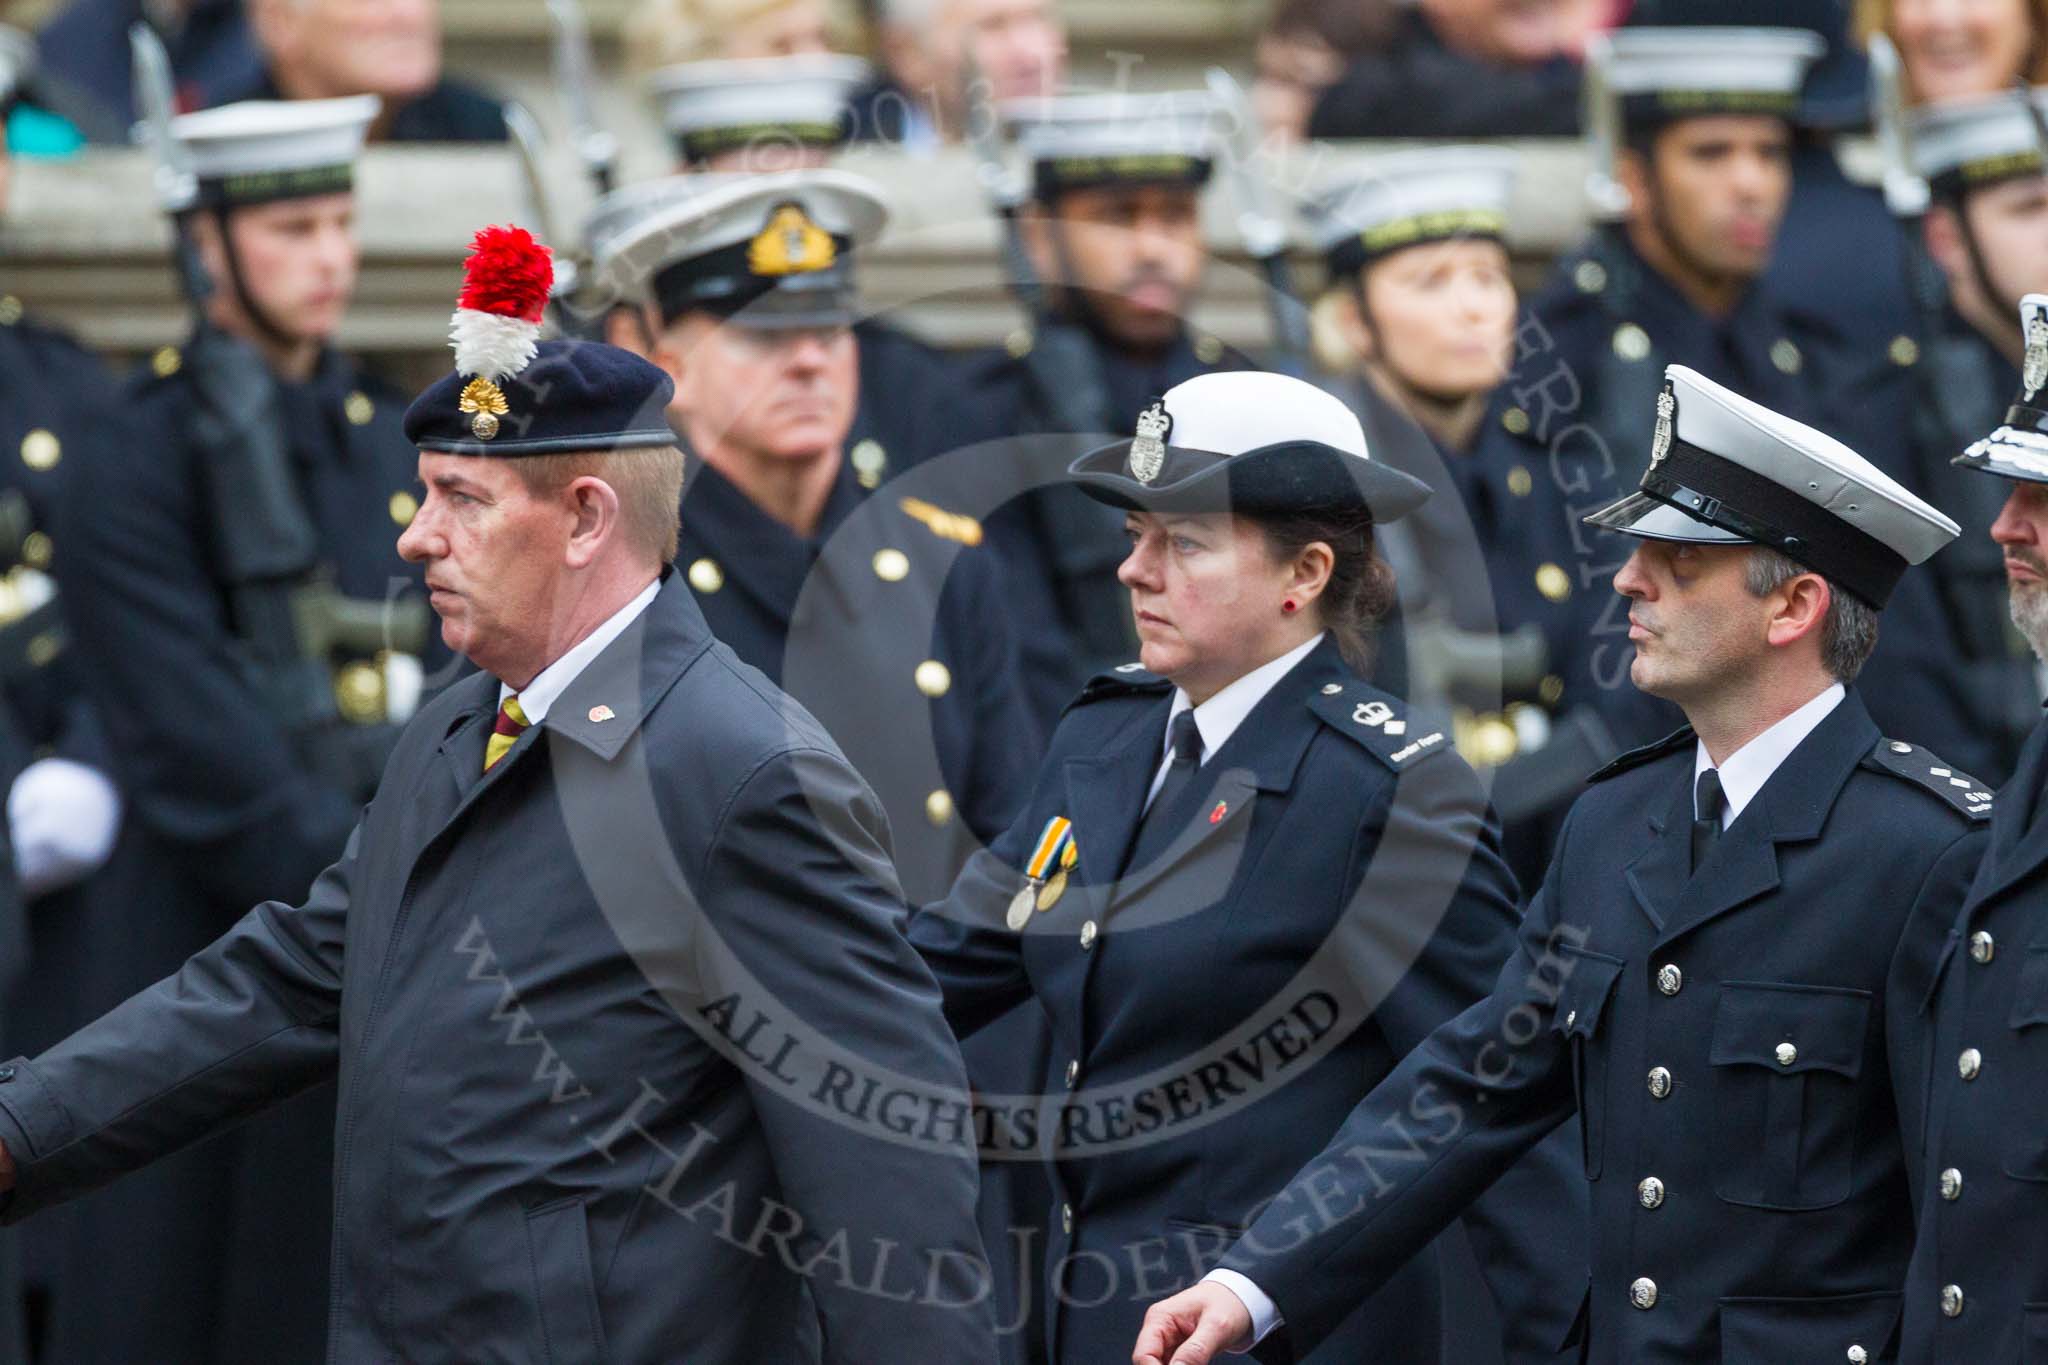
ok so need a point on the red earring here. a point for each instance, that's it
(1288, 606)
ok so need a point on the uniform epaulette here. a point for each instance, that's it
(1924, 768)
(945, 525)
(1121, 681)
(1635, 758)
(1377, 724)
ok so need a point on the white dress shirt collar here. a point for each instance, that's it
(1218, 718)
(537, 696)
(1744, 772)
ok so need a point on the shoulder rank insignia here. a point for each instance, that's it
(1636, 758)
(1377, 727)
(1923, 768)
(1121, 681)
(943, 524)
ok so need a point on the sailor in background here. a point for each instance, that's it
(254, 643)
(1112, 241)
(1703, 976)
(1421, 294)
(1233, 825)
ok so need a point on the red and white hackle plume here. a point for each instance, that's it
(496, 327)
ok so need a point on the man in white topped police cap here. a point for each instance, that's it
(1980, 1266)
(1704, 974)
(255, 643)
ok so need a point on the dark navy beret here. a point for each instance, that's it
(573, 395)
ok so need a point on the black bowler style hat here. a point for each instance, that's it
(513, 394)
(1249, 442)
(1725, 470)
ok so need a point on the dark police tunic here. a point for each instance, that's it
(1978, 1026)
(1333, 892)
(204, 1249)
(55, 408)
(1074, 618)
(1721, 1035)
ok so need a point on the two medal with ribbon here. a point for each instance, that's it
(1045, 874)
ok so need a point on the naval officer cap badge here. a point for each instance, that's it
(1148, 447)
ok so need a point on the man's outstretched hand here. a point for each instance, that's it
(1194, 1327)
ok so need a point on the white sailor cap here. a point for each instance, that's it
(1660, 74)
(712, 107)
(1726, 470)
(1409, 198)
(2018, 448)
(1083, 141)
(17, 62)
(1963, 144)
(1250, 442)
(259, 150)
(779, 246)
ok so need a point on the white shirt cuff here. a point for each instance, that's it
(1265, 1313)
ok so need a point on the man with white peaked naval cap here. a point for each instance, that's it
(1703, 975)
(255, 643)
(1980, 1267)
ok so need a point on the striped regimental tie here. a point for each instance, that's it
(510, 725)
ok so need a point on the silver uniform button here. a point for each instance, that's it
(1651, 1192)
(1951, 1300)
(1787, 1054)
(1858, 1356)
(1073, 1073)
(1571, 1018)
(1660, 1083)
(1951, 1184)
(1670, 980)
(1088, 933)
(1982, 946)
(1067, 1219)
(1970, 1063)
(1643, 1293)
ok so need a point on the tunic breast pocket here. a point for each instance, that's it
(1786, 1060)
(2026, 1144)
(1581, 1009)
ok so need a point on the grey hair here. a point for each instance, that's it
(1850, 631)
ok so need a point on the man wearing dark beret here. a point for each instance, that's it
(635, 1062)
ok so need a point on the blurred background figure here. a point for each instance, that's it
(254, 658)
(931, 51)
(1465, 68)
(214, 55)
(1305, 47)
(63, 811)
(326, 49)
(661, 33)
(1113, 244)
(1952, 48)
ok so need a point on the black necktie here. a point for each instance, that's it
(1706, 822)
(1156, 830)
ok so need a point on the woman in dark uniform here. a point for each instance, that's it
(1244, 886)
